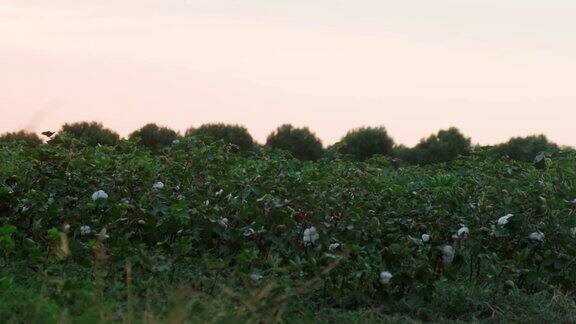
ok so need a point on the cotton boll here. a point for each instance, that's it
(537, 236)
(256, 277)
(425, 238)
(333, 246)
(447, 254)
(504, 219)
(463, 232)
(310, 235)
(85, 230)
(385, 277)
(100, 194)
(158, 185)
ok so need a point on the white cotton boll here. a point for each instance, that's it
(158, 185)
(537, 236)
(385, 277)
(425, 238)
(220, 192)
(85, 230)
(103, 235)
(447, 254)
(223, 222)
(141, 222)
(504, 219)
(100, 194)
(333, 246)
(310, 235)
(176, 141)
(256, 277)
(463, 231)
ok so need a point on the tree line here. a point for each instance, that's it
(358, 144)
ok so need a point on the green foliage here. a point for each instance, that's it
(91, 133)
(24, 137)
(363, 143)
(154, 137)
(445, 146)
(526, 148)
(300, 142)
(243, 222)
(231, 134)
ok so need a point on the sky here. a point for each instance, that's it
(495, 69)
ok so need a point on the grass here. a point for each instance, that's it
(57, 295)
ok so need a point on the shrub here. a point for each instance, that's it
(92, 133)
(442, 147)
(232, 134)
(300, 142)
(154, 137)
(363, 143)
(526, 148)
(28, 138)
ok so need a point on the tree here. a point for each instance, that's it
(526, 148)
(300, 142)
(154, 137)
(92, 133)
(232, 134)
(445, 146)
(24, 137)
(365, 142)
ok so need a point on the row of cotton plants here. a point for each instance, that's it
(365, 231)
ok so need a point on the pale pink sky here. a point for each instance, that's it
(493, 68)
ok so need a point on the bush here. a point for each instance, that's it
(154, 137)
(27, 138)
(445, 146)
(91, 133)
(232, 134)
(526, 148)
(300, 142)
(363, 143)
